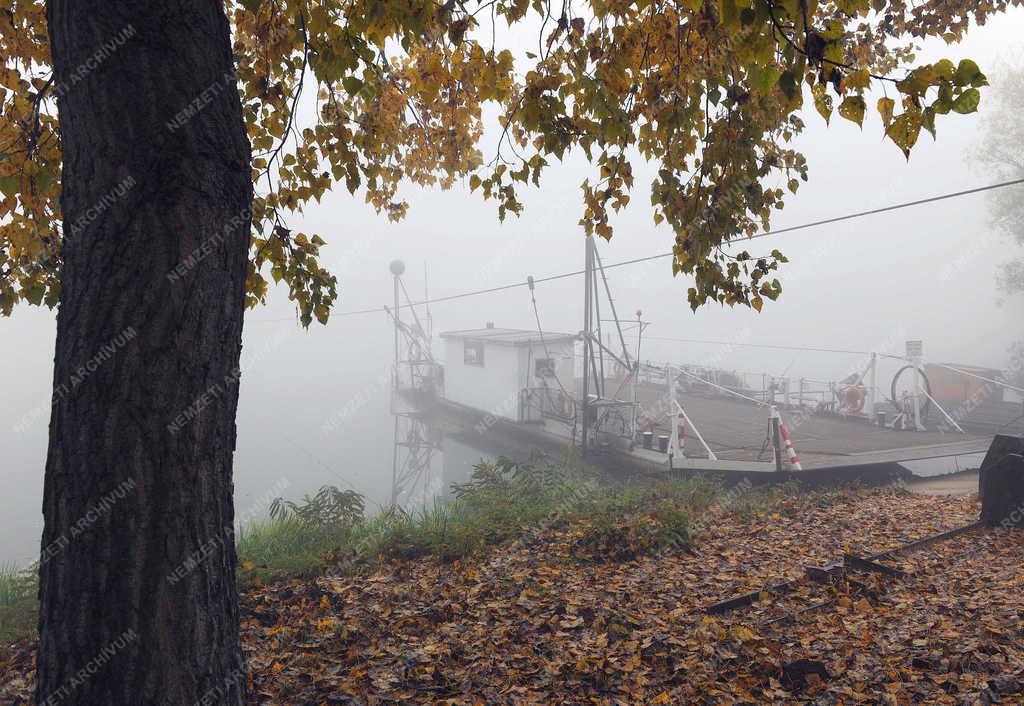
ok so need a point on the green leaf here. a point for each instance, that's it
(943, 103)
(9, 186)
(788, 85)
(944, 69)
(762, 79)
(968, 74)
(928, 121)
(45, 179)
(967, 102)
(822, 101)
(904, 130)
(852, 108)
(352, 84)
(34, 294)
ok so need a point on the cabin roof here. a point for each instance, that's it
(977, 369)
(510, 336)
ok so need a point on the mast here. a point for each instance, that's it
(397, 267)
(588, 346)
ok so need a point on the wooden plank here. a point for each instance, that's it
(861, 564)
(825, 573)
(747, 599)
(925, 542)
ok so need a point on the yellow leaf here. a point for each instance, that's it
(885, 108)
(852, 108)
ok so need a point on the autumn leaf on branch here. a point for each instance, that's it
(711, 92)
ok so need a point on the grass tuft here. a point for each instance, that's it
(19, 607)
(501, 502)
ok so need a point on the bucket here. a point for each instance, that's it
(663, 443)
(648, 440)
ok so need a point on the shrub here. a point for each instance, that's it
(330, 507)
(19, 607)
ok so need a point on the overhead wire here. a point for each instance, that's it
(634, 261)
(805, 349)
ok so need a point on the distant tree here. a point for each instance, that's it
(151, 153)
(1001, 151)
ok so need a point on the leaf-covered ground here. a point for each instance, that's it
(531, 624)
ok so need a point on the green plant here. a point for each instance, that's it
(19, 606)
(330, 507)
(500, 502)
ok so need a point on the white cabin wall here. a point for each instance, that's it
(564, 354)
(493, 387)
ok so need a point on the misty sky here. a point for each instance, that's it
(851, 285)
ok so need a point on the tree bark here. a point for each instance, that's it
(137, 583)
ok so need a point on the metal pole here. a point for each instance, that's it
(639, 335)
(599, 386)
(396, 269)
(917, 398)
(774, 426)
(696, 431)
(872, 383)
(636, 370)
(673, 439)
(588, 352)
(944, 413)
(611, 305)
(394, 375)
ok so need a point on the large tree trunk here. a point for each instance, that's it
(137, 585)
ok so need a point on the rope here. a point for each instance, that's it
(980, 377)
(723, 389)
(540, 332)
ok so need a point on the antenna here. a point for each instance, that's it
(415, 376)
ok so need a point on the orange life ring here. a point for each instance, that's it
(853, 399)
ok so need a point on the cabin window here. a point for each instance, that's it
(473, 353)
(544, 367)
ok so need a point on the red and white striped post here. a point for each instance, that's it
(794, 460)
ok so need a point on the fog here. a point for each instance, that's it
(848, 286)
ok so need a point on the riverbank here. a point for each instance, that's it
(572, 613)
